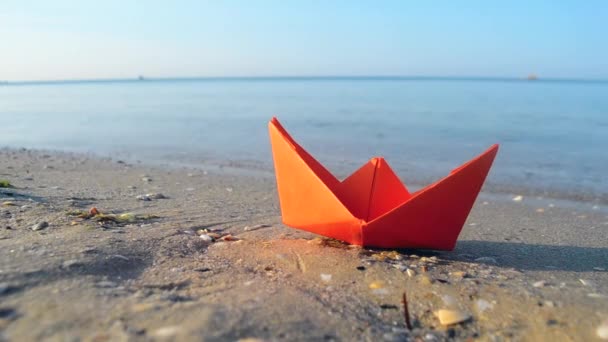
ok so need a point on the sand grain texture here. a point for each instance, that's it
(156, 279)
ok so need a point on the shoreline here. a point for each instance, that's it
(516, 273)
(538, 196)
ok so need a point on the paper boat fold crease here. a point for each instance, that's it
(372, 207)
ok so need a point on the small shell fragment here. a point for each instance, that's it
(378, 284)
(450, 317)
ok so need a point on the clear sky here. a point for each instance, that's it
(76, 39)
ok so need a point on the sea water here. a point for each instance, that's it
(553, 134)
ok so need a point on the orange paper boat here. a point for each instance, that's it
(372, 207)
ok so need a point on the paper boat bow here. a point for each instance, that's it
(372, 207)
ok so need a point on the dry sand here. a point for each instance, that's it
(517, 273)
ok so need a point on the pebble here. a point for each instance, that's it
(586, 282)
(166, 332)
(40, 225)
(146, 179)
(540, 283)
(518, 198)
(410, 272)
(151, 196)
(206, 238)
(450, 317)
(602, 331)
(326, 277)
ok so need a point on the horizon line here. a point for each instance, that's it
(141, 78)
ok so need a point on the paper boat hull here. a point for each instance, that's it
(372, 207)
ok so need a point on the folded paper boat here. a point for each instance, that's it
(372, 207)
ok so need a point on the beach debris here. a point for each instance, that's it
(98, 216)
(326, 277)
(8, 204)
(410, 272)
(451, 317)
(540, 283)
(406, 311)
(151, 196)
(5, 183)
(602, 330)
(146, 179)
(257, 226)
(360, 268)
(586, 282)
(40, 225)
(518, 198)
(384, 255)
(229, 189)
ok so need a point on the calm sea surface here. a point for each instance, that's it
(553, 135)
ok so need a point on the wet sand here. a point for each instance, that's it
(532, 270)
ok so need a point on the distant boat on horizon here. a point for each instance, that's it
(532, 77)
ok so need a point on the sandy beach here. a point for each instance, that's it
(530, 269)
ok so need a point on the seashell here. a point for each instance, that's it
(450, 317)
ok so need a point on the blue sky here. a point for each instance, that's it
(75, 39)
